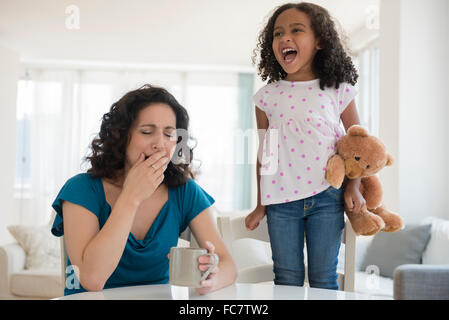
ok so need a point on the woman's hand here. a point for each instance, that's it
(204, 263)
(353, 198)
(145, 176)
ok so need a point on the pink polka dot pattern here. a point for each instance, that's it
(306, 119)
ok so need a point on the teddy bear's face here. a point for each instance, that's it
(364, 155)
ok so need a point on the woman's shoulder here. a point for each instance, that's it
(82, 177)
(83, 185)
(82, 180)
(188, 186)
(190, 191)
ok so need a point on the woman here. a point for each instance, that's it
(121, 218)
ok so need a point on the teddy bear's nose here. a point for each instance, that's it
(357, 158)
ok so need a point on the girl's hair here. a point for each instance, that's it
(108, 149)
(331, 64)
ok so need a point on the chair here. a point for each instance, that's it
(232, 227)
(63, 259)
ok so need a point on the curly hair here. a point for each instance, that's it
(108, 148)
(332, 65)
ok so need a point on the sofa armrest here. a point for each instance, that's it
(421, 282)
(12, 260)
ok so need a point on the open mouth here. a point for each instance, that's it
(289, 54)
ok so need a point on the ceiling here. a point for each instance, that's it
(201, 32)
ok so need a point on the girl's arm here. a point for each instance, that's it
(252, 220)
(262, 126)
(204, 229)
(350, 116)
(353, 198)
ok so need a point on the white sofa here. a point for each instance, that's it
(16, 282)
(19, 283)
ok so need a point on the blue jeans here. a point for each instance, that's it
(321, 218)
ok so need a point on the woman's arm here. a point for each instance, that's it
(204, 229)
(96, 253)
(353, 198)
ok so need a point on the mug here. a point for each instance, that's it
(183, 269)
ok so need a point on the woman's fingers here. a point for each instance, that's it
(156, 160)
(210, 247)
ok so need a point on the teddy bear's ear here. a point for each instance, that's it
(390, 160)
(357, 130)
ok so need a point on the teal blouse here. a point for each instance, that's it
(143, 261)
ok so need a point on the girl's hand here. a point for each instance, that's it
(353, 198)
(204, 263)
(145, 176)
(253, 219)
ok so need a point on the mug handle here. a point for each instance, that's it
(206, 273)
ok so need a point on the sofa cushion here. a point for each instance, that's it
(390, 250)
(372, 284)
(250, 253)
(437, 249)
(37, 283)
(41, 247)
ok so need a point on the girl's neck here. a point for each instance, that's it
(301, 75)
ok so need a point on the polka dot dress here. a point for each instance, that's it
(304, 126)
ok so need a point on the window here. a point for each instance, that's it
(24, 106)
(59, 112)
(367, 64)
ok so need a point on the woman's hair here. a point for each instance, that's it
(108, 149)
(331, 64)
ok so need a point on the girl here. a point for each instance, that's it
(121, 218)
(310, 89)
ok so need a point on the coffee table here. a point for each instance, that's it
(237, 291)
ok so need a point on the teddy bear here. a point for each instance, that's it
(360, 155)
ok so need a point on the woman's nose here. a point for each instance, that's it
(158, 144)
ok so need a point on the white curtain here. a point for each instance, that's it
(65, 109)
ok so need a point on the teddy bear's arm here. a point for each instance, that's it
(372, 191)
(335, 171)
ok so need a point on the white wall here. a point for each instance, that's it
(9, 75)
(414, 104)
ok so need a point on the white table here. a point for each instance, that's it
(237, 291)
